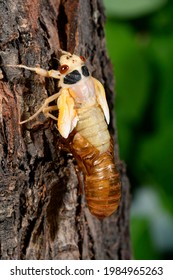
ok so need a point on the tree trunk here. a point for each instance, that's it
(41, 212)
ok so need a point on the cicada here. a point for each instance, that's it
(82, 119)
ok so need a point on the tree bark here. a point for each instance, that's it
(41, 212)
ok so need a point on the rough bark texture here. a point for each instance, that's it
(42, 215)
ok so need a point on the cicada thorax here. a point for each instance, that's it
(93, 149)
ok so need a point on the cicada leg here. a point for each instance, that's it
(50, 109)
(40, 71)
(45, 108)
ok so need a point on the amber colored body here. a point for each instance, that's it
(101, 178)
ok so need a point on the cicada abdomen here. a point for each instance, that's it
(101, 178)
(94, 152)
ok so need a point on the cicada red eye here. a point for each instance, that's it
(63, 69)
(83, 58)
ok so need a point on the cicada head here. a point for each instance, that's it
(72, 69)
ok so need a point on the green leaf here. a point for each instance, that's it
(162, 51)
(132, 8)
(155, 162)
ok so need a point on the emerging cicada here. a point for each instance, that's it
(82, 119)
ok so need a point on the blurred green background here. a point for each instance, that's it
(139, 36)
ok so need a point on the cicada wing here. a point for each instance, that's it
(67, 119)
(101, 99)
